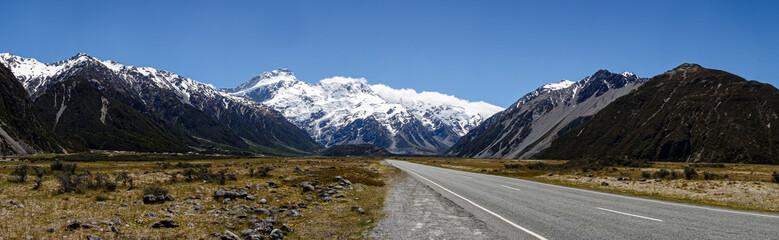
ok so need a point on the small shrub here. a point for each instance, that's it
(690, 173)
(38, 181)
(513, 166)
(154, 190)
(101, 197)
(646, 174)
(776, 177)
(708, 165)
(19, 174)
(662, 173)
(221, 176)
(174, 177)
(125, 178)
(710, 175)
(71, 183)
(56, 166)
(164, 165)
(263, 172)
(69, 168)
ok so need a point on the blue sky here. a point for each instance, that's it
(494, 51)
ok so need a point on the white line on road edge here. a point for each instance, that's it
(632, 215)
(477, 205)
(510, 187)
(467, 177)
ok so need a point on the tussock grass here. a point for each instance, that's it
(48, 207)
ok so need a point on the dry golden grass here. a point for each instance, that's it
(46, 208)
(746, 186)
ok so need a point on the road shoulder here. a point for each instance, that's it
(414, 211)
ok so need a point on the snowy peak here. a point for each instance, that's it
(280, 76)
(565, 83)
(345, 110)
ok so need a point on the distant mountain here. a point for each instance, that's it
(529, 125)
(76, 110)
(342, 110)
(196, 113)
(356, 150)
(21, 132)
(689, 114)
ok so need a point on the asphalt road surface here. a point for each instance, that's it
(521, 209)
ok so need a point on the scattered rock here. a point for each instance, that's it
(263, 201)
(272, 184)
(293, 213)
(75, 225)
(263, 226)
(550, 174)
(359, 210)
(343, 181)
(151, 214)
(167, 223)
(230, 236)
(151, 199)
(327, 199)
(276, 234)
(51, 230)
(286, 228)
(248, 232)
(93, 237)
(339, 195)
(604, 184)
(658, 180)
(262, 211)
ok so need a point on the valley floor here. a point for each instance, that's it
(330, 209)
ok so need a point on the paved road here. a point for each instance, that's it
(521, 209)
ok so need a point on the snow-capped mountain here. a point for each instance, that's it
(205, 114)
(529, 125)
(342, 110)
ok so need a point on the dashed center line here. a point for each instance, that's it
(474, 204)
(632, 215)
(511, 188)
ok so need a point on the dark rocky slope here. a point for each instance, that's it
(687, 114)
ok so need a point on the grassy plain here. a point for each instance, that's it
(48, 208)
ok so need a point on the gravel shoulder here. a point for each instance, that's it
(414, 211)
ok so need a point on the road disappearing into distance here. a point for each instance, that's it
(521, 209)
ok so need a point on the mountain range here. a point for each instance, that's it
(689, 113)
(342, 110)
(195, 114)
(530, 124)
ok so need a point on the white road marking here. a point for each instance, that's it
(632, 215)
(467, 177)
(477, 205)
(510, 187)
